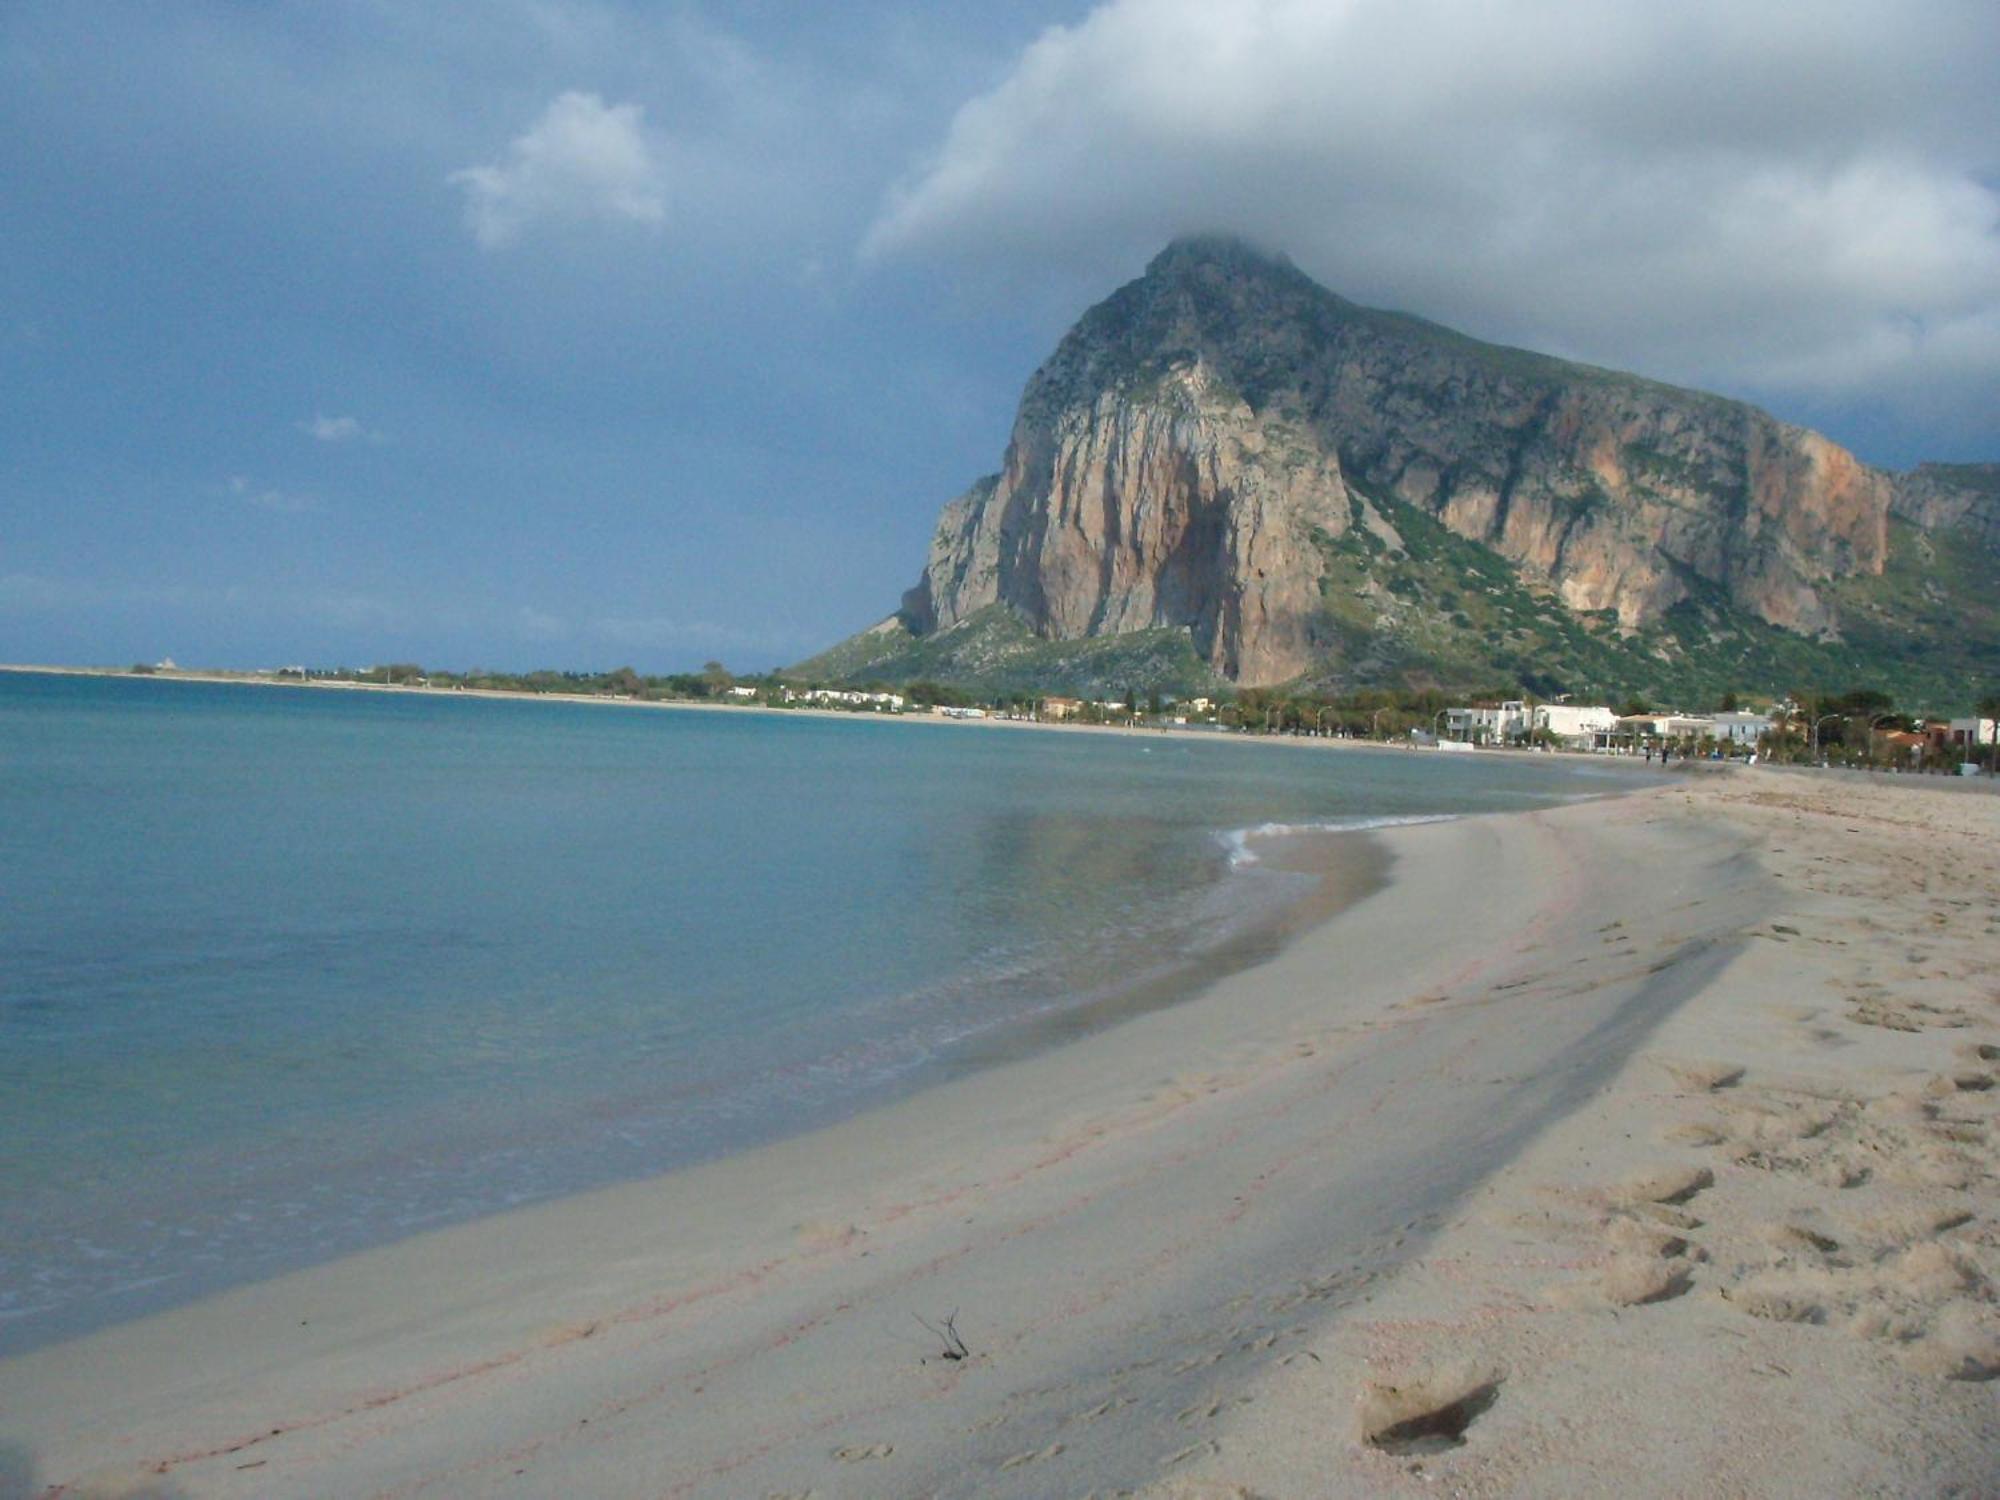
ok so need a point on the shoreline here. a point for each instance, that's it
(1557, 1087)
(1344, 866)
(932, 720)
(140, 1258)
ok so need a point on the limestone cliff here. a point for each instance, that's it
(1938, 496)
(1115, 514)
(1201, 441)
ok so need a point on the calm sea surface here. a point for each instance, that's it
(285, 973)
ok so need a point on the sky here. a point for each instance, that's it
(579, 333)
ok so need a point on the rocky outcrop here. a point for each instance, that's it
(1940, 496)
(1200, 435)
(1120, 514)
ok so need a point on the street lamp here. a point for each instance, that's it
(1375, 723)
(1437, 724)
(1822, 719)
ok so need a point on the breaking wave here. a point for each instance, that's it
(1237, 841)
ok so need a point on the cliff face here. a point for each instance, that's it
(1200, 436)
(1117, 514)
(1937, 496)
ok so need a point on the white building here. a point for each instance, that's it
(1668, 726)
(880, 702)
(1968, 732)
(1488, 721)
(1740, 729)
(1574, 722)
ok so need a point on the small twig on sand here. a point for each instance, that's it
(946, 1333)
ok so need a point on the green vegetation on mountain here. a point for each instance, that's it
(1434, 611)
(1445, 612)
(993, 654)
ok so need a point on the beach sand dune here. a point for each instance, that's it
(1641, 1146)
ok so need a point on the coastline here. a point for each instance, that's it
(932, 720)
(215, 1209)
(1401, 1154)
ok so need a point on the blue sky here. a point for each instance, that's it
(531, 332)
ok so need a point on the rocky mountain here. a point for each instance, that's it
(1240, 472)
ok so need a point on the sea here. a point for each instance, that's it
(286, 973)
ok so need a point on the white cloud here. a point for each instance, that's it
(1740, 193)
(279, 502)
(335, 429)
(582, 161)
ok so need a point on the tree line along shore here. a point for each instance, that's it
(1859, 727)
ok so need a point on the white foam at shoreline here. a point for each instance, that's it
(1237, 840)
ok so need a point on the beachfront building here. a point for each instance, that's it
(1686, 728)
(849, 698)
(1964, 734)
(1575, 724)
(1684, 731)
(1058, 710)
(1488, 723)
(1740, 728)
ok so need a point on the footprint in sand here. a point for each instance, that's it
(1634, 1279)
(1208, 1411)
(1427, 1410)
(1769, 1122)
(1648, 1263)
(856, 1453)
(1913, 1015)
(1038, 1455)
(1797, 1239)
(1670, 1185)
(1703, 1133)
(1701, 1076)
(1103, 1409)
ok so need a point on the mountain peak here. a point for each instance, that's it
(1218, 250)
(1227, 471)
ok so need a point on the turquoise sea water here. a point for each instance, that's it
(286, 973)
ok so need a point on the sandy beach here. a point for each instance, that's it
(1640, 1146)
